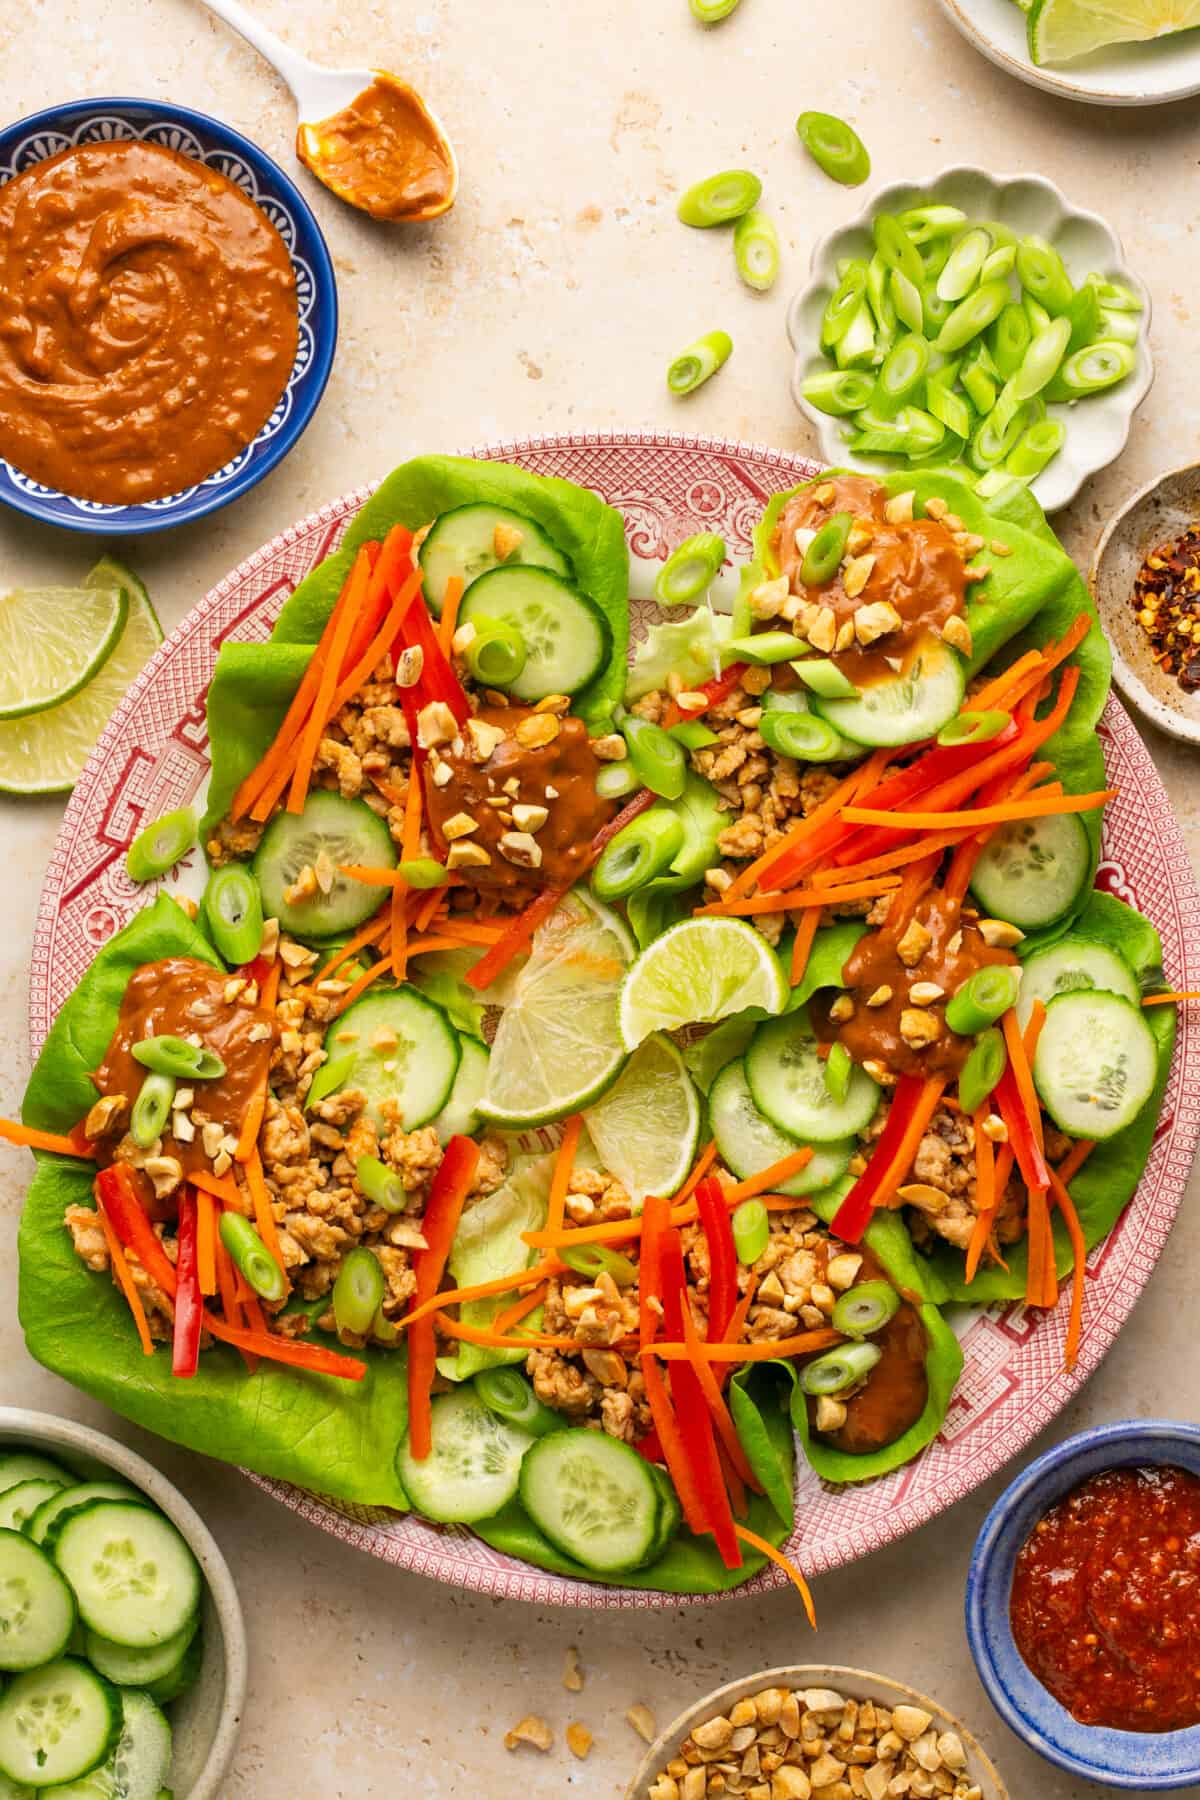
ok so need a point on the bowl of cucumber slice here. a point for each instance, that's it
(150, 1672)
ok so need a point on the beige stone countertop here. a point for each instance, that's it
(552, 299)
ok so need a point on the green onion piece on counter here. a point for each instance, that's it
(251, 1256)
(1042, 274)
(701, 360)
(692, 734)
(951, 409)
(690, 569)
(719, 199)
(160, 845)
(1009, 339)
(983, 999)
(756, 250)
(979, 387)
(615, 780)
(842, 307)
(508, 1394)
(820, 677)
(657, 758)
(839, 1369)
(381, 1185)
(1042, 360)
(823, 558)
(422, 872)
(897, 248)
(838, 1069)
(971, 316)
(151, 1109)
(838, 391)
(358, 1292)
(964, 265)
(1037, 447)
(906, 298)
(835, 147)
(329, 1078)
(1000, 263)
(597, 1259)
(751, 1230)
(644, 848)
(763, 648)
(801, 736)
(863, 1310)
(925, 223)
(496, 654)
(1084, 315)
(233, 908)
(904, 369)
(1092, 370)
(982, 1070)
(973, 728)
(175, 1056)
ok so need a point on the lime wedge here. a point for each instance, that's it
(699, 971)
(557, 1046)
(646, 1126)
(44, 752)
(52, 642)
(1061, 30)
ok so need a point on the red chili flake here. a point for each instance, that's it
(1166, 600)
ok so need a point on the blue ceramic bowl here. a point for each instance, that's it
(193, 134)
(1145, 1762)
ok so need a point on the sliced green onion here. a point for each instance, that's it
(913, 432)
(934, 257)
(175, 1056)
(160, 845)
(839, 1369)
(615, 780)
(897, 248)
(694, 366)
(843, 305)
(964, 265)
(986, 997)
(506, 1392)
(857, 346)
(999, 263)
(1009, 339)
(906, 298)
(756, 250)
(1092, 370)
(380, 1184)
(979, 387)
(951, 409)
(383, 1331)
(1042, 273)
(690, 569)
(422, 872)
(802, 736)
(233, 908)
(751, 1230)
(973, 728)
(823, 558)
(644, 848)
(496, 654)
(657, 758)
(711, 12)
(924, 223)
(1041, 361)
(597, 1259)
(1084, 316)
(992, 442)
(1037, 447)
(1114, 296)
(719, 199)
(1035, 312)
(820, 676)
(971, 316)
(1118, 327)
(331, 1076)
(838, 1069)
(838, 391)
(999, 488)
(763, 648)
(904, 369)
(835, 147)
(692, 735)
(863, 1310)
(251, 1256)
(982, 1070)
(151, 1109)
(358, 1292)
(934, 311)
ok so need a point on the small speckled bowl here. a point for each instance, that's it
(205, 1721)
(855, 1684)
(1155, 515)
(1144, 1762)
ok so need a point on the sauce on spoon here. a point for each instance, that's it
(384, 153)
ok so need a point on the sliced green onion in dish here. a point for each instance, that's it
(838, 391)
(380, 1184)
(646, 847)
(496, 654)
(863, 1310)
(823, 558)
(983, 1068)
(422, 872)
(690, 569)
(978, 385)
(657, 759)
(699, 362)
(902, 375)
(1041, 361)
(926, 223)
(838, 1069)
(756, 250)
(971, 316)
(802, 736)
(719, 199)
(1114, 296)
(1085, 317)
(913, 432)
(1009, 338)
(358, 1292)
(1035, 312)
(251, 1256)
(879, 297)
(233, 910)
(835, 147)
(159, 846)
(844, 305)
(973, 728)
(1036, 448)
(993, 441)
(999, 263)
(509, 1395)
(839, 1369)
(593, 1260)
(151, 1109)
(906, 300)
(751, 1230)
(983, 999)
(896, 248)
(1089, 371)
(951, 410)
(964, 265)
(175, 1056)
(1042, 273)
(615, 780)
(692, 734)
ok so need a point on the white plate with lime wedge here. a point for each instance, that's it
(1104, 52)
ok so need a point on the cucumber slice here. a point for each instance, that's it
(786, 1078)
(399, 1047)
(140, 1760)
(749, 1143)
(474, 1467)
(460, 1114)
(57, 1723)
(593, 1497)
(346, 831)
(22, 1465)
(41, 1527)
(904, 708)
(567, 639)
(18, 1504)
(670, 1513)
(1096, 1063)
(1069, 967)
(15, 1790)
(462, 542)
(37, 1608)
(138, 1668)
(184, 1675)
(135, 1579)
(1031, 871)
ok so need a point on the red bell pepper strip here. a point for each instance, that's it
(438, 680)
(695, 1420)
(438, 1225)
(722, 1258)
(655, 1216)
(649, 1448)
(719, 688)
(1022, 1132)
(854, 1214)
(189, 1303)
(926, 772)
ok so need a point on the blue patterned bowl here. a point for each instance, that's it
(1145, 1762)
(194, 134)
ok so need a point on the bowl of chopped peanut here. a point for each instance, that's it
(815, 1733)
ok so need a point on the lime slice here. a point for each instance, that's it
(44, 752)
(52, 641)
(647, 1124)
(699, 971)
(1060, 30)
(557, 1046)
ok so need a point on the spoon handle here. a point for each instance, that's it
(288, 62)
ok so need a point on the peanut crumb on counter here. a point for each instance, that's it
(572, 1673)
(579, 1739)
(529, 1730)
(642, 1720)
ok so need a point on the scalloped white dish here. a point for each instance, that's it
(1098, 427)
(1123, 75)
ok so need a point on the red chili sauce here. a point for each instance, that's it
(1106, 1600)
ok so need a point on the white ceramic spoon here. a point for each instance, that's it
(320, 93)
